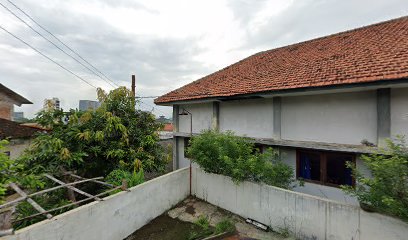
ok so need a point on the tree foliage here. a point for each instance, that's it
(230, 155)
(387, 189)
(10, 171)
(94, 143)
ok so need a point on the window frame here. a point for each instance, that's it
(323, 166)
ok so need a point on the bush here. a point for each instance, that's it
(387, 190)
(230, 155)
(224, 225)
(132, 178)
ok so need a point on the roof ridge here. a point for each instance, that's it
(213, 76)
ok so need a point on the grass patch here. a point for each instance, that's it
(226, 225)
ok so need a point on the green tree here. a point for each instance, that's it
(94, 143)
(10, 171)
(387, 189)
(230, 155)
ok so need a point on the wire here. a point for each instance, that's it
(153, 108)
(42, 54)
(59, 40)
(28, 25)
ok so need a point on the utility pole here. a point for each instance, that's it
(133, 85)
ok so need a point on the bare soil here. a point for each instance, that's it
(165, 228)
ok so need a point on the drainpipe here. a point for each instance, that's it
(185, 112)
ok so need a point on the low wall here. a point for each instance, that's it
(117, 216)
(306, 216)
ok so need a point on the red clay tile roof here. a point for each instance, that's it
(10, 129)
(368, 54)
(168, 127)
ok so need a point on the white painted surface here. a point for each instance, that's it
(307, 216)
(17, 147)
(117, 216)
(202, 117)
(252, 118)
(183, 161)
(334, 118)
(399, 112)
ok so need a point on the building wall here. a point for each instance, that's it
(399, 112)
(288, 155)
(183, 160)
(117, 216)
(303, 215)
(17, 147)
(202, 117)
(6, 110)
(253, 118)
(335, 118)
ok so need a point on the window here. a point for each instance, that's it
(328, 168)
(186, 145)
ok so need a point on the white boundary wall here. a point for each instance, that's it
(307, 216)
(117, 216)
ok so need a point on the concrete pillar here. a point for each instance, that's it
(277, 106)
(215, 124)
(383, 115)
(176, 142)
(175, 139)
(176, 118)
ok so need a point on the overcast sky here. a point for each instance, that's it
(166, 44)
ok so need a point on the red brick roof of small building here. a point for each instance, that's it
(373, 53)
(168, 127)
(13, 130)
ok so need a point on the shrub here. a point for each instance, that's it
(203, 222)
(230, 155)
(132, 178)
(225, 225)
(387, 190)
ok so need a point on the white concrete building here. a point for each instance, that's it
(316, 101)
(51, 104)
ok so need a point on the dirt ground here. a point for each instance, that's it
(178, 224)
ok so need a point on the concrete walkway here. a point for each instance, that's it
(191, 209)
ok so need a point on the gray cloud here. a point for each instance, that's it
(156, 61)
(309, 19)
(161, 63)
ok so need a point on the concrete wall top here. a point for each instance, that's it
(305, 216)
(117, 216)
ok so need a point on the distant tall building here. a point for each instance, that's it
(52, 104)
(85, 105)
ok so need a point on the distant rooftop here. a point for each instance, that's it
(13, 130)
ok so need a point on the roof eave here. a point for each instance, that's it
(389, 83)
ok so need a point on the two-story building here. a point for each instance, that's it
(321, 102)
(9, 98)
